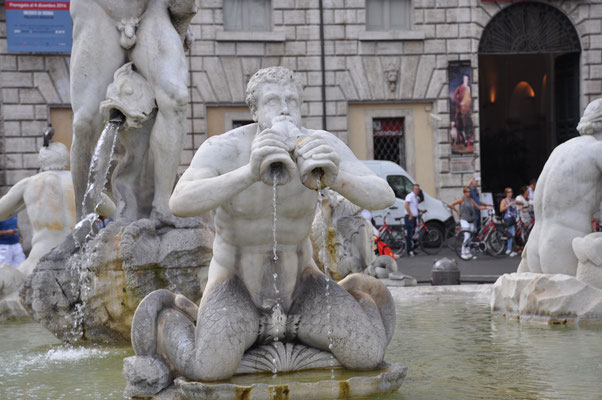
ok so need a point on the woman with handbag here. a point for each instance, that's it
(509, 209)
(468, 216)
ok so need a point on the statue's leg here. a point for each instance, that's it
(227, 325)
(159, 56)
(95, 57)
(361, 319)
(556, 254)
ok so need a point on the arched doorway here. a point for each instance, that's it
(528, 91)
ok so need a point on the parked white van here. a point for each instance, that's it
(438, 214)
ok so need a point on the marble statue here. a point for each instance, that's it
(259, 291)
(349, 240)
(48, 198)
(560, 274)
(569, 192)
(152, 34)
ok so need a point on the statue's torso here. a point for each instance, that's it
(245, 237)
(570, 187)
(50, 206)
(119, 9)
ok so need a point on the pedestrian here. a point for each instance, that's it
(508, 209)
(474, 194)
(524, 212)
(11, 251)
(468, 216)
(412, 212)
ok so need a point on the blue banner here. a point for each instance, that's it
(38, 26)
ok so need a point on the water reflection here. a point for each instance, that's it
(455, 350)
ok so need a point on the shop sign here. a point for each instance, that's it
(38, 26)
(461, 165)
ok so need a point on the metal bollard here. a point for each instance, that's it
(445, 272)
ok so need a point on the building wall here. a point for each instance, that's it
(357, 63)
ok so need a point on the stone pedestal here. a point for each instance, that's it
(548, 298)
(92, 294)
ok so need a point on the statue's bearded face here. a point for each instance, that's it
(277, 100)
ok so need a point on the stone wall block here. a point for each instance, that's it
(8, 62)
(16, 79)
(346, 84)
(437, 82)
(201, 83)
(20, 145)
(447, 30)
(31, 161)
(409, 66)
(10, 96)
(332, 32)
(455, 15)
(388, 47)
(217, 77)
(312, 32)
(309, 63)
(16, 112)
(11, 128)
(233, 71)
(30, 96)
(43, 82)
(434, 16)
(356, 71)
(59, 72)
(375, 76)
(294, 17)
(459, 46)
(30, 63)
(345, 47)
(250, 65)
(423, 76)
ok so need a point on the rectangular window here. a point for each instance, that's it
(387, 15)
(247, 15)
(389, 143)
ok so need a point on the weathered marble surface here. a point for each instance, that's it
(258, 290)
(569, 192)
(561, 246)
(349, 240)
(551, 298)
(122, 264)
(107, 34)
(10, 281)
(388, 378)
(48, 198)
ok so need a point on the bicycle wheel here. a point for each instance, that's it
(467, 242)
(450, 236)
(430, 241)
(496, 243)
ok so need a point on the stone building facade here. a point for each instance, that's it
(354, 76)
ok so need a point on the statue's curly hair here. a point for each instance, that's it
(591, 122)
(55, 157)
(279, 75)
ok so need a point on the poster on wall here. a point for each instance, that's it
(461, 130)
(38, 26)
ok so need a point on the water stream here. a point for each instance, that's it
(326, 263)
(84, 230)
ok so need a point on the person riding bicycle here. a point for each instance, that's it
(468, 216)
(412, 212)
(509, 209)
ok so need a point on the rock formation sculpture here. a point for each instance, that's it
(349, 243)
(263, 284)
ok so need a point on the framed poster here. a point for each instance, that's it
(461, 130)
(38, 26)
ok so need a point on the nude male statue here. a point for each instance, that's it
(48, 198)
(569, 192)
(106, 35)
(225, 177)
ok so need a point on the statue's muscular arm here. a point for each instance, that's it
(355, 181)
(203, 187)
(13, 203)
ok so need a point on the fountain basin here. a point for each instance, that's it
(453, 346)
(305, 385)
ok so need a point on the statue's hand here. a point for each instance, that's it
(268, 148)
(316, 158)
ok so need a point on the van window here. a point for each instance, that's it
(400, 184)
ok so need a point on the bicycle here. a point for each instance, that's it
(394, 238)
(490, 239)
(428, 239)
